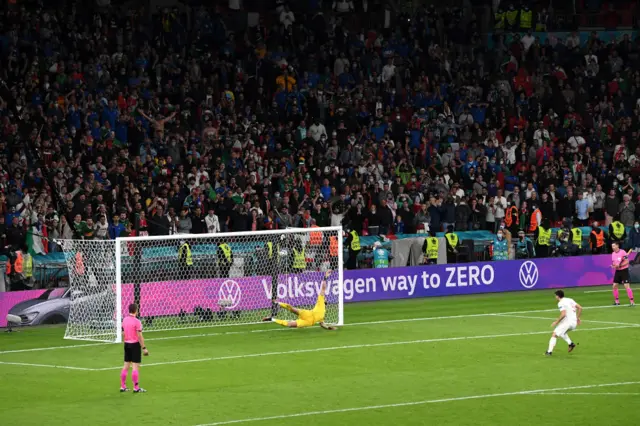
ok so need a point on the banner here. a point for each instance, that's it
(476, 278)
(363, 285)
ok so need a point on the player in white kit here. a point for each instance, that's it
(569, 319)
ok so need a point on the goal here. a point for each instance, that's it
(192, 281)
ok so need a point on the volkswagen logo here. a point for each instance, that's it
(230, 292)
(528, 274)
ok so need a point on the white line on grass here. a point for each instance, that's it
(590, 393)
(581, 320)
(413, 403)
(270, 330)
(51, 348)
(606, 291)
(364, 345)
(64, 367)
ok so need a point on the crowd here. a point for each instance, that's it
(119, 124)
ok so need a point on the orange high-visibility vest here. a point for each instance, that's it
(599, 238)
(315, 238)
(333, 246)
(18, 264)
(508, 219)
(533, 223)
(79, 264)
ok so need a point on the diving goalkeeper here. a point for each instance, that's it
(308, 318)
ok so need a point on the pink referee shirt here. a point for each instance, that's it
(131, 326)
(617, 258)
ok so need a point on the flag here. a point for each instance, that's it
(36, 244)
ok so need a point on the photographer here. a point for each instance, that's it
(524, 247)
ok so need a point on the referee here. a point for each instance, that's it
(133, 349)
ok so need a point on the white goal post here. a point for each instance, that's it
(187, 281)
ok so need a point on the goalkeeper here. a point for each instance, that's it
(308, 318)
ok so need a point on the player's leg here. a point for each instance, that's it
(289, 308)
(560, 330)
(305, 319)
(565, 336)
(285, 323)
(627, 286)
(552, 343)
(616, 293)
(124, 373)
(135, 374)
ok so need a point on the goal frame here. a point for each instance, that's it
(120, 241)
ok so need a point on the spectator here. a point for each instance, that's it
(582, 210)
(626, 211)
(212, 222)
(101, 229)
(115, 229)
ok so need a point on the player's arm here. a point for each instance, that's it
(327, 327)
(578, 312)
(141, 340)
(563, 314)
(624, 263)
(323, 285)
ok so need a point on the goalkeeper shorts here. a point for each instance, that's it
(305, 318)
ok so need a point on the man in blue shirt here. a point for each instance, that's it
(116, 228)
(470, 164)
(582, 210)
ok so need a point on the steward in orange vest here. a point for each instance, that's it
(510, 214)
(596, 239)
(533, 222)
(18, 264)
(19, 269)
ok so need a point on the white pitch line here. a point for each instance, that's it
(604, 291)
(413, 403)
(63, 367)
(270, 330)
(590, 393)
(581, 320)
(51, 348)
(364, 345)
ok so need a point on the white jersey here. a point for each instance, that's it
(569, 306)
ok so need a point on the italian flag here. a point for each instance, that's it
(37, 241)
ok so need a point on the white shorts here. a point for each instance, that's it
(564, 327)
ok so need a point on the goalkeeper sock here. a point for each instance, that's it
(286, 306)
(281, 322)
(135, 376)
(123, 377)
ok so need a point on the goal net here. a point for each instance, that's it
(192, 281)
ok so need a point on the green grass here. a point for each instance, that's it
(431, 361)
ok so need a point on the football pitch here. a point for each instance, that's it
(467, 360)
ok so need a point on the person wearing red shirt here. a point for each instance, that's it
(543, 154)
